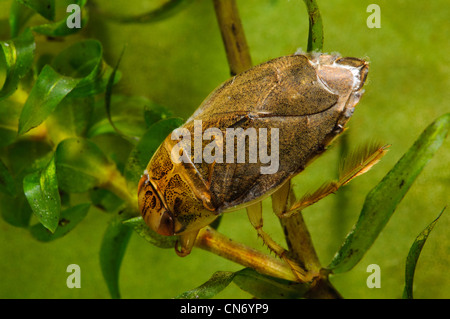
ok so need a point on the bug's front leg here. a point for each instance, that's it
(254, 213)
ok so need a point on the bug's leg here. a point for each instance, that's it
(186, 242)
(311, 198)
(280, 198)
(255, 216)
(357, 164)
(296, 233)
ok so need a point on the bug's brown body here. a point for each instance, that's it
(309, 99)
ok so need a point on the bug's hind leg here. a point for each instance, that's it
(358, 163)
(254, 213)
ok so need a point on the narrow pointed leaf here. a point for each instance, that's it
(9, 120)
(45, 8)
(108, 95)
(84, 61)
(413, 257)
(267, 287)
(18, 56)
(60, 28)
(26, 156)
(79, 71)
(112, 250)
(7, 183)
(218, 282)
(154, 113)
(249, 280)
(382, 200)
(70, 119)
(49, 90)
(41, 190)
(18, 17)
(15, 210)
(70, 218)
(105, 200)
(131, 115)
(20, 158)
(81, 165)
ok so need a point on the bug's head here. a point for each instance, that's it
(153, 210)
(175, 210)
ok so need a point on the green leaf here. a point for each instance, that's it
(218, 282)
(25, 156)
(41, 190)
(7, 183)
(141, 228)
(78, 70)
(22, 158)
(18, 17)
(108, 96)
(15, 210)
(18, 57)
(9, 120)
(154, 113)
(84, 61)
(112, 250)
(60, 28)
(69, 219)
(413, 257)
(267, 287)
(70, 118)
(165, 11)
(81, 165)
(42, 60)
(45, 8)
(110, 83)
(149, 143)
(128, 113)
(259, 285)
(105, 200)
(382, 200)
(49, 90)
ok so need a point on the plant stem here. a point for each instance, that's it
(315, 35)
(233, 36)
(298, 238)
(339, 220)
(321, 288)
(118, 185)
(213, 241)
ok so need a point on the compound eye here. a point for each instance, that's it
(152, 209)
(166, 225)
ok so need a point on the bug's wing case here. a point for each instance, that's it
(285, 86)
(287, 93)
